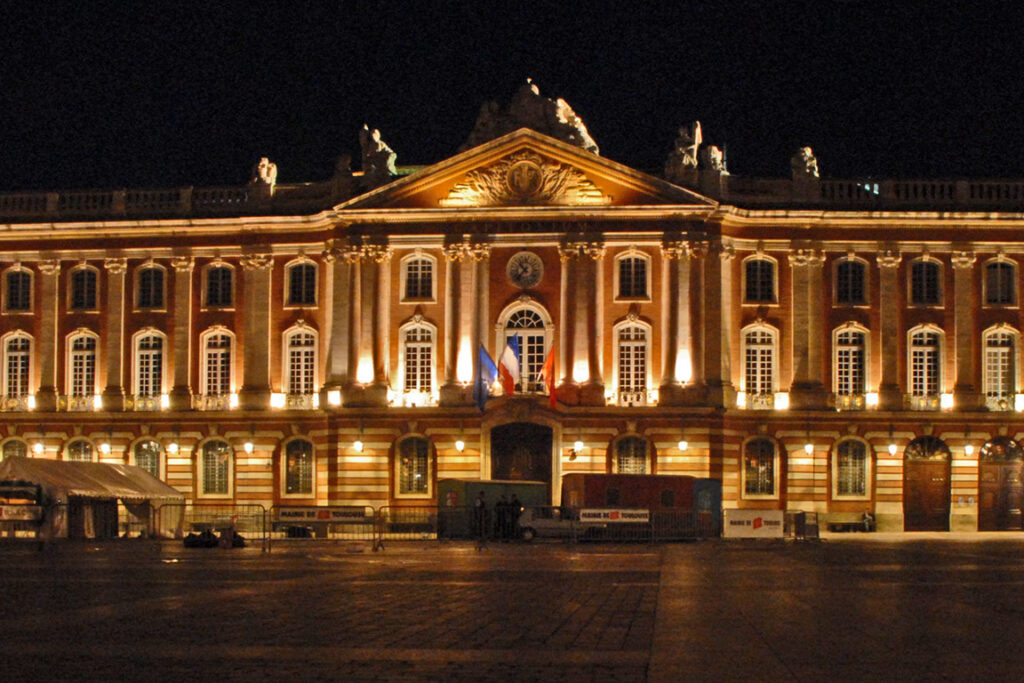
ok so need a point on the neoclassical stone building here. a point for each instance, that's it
(827, 345)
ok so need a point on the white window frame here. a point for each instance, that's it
(161, 460)
(94, 455)
(869, 457)
(648, 453)
(137, 353)
(501, 336)
(760, 400)
(417, 397)
(634, 397)
(777, 451)
(1012, 354)
(286, 359)
(288, 268)
(633, 253)
(200, 469)
(18, 268)
(71, 289)
(775, 280)
(404, 278)
(29, 382)
(150, 265)
(865, 270)
(14, 439)
(397, 468)
(920, 399)
(205, 280)
(70, 354)
(852, 399)
(283, 469)
(1005, 261)
(204, 359)
(940, 282)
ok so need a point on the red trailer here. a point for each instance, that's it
(654, 492)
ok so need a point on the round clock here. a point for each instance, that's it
(525, 269)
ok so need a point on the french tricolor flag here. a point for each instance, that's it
(508, 366)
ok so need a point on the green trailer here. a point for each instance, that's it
(456, 503)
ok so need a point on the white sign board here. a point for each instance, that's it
(20, 513)
(616, 516)
(754, 523)
(346, 515)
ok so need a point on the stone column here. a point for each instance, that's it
(373, 330)
(46, 396)
(113, 393)
(568, 254)
(255, 391)
(807, 391)
(481, 303)
(181, 393)
(675, 299)
(890, 395)
(455, 253)
(718, 325)
(341, 261)
(965, 393)
(592, 393)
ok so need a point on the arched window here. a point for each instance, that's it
(216, 461)
(850, 282)
(925, 366)
(1001, 449)
(632, 354)
(417, 362)
(760, 468)
(301, 284)
(82, 368)
(219, 286)
(14, 448)
(1000, 283)
(300, 369)
(79, 450)
(146, 455)
(150, 291)
(851, 469)
(850, 363)
(927, 448)
(759, 280)
(217, 369)
(417, 278)
(1000, 359)
(149, 365)
(760, 353)
(298, 468)
(633, 273)
(83, 289)
(528, 326)
(17, 367)
(925, 283)
(412, 466)
(631, 455)
(18, 294)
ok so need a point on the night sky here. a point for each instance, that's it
(147, 94)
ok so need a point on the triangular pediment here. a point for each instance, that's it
(525, 169)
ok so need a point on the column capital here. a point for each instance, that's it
(115, 266)
(675, 249)
(183, 264)
(378, 253)
(568, 251)
(725, 250)
(806, 257)
(480, 251)
(888, 258)
(49, 267)
(594, 250)
(963, 260)
(457, 251)
(257, 262)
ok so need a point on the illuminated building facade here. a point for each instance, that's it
(826, 345)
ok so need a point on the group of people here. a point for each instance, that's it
(506, 518)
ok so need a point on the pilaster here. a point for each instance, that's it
(113, 393)
(965, 393)
(890, 395)
(181, 392)
(718, 325)
(255, 391)
(46, 396)
(807, 391)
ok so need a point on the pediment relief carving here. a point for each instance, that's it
(525, 178)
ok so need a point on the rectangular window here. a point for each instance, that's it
(83, 367)
(298, 476)
(850, 283)
(924, 364)
(419, 279)
(302, 285)
(215, 471)
(19, 291)
(218, 366)
(924, 284)
(151, 288)
(633, 277)
(999, 371)
(632, 366)
(851, 478)
(218, 286)
(150, 367)
(760, 285)
(850, 363)
(418, 360)
(413, 466)
(301, 364)
(18, 354)
(83, 289)
(759, 468)
(999, 284)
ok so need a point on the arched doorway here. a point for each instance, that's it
(926, 485)
(1000, 487)
(521, 451)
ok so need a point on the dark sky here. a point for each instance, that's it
(151, 94)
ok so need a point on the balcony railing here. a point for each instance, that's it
(212, 402)
(923, 402)
(999, 403)
(144, 403)
(761, 401)
(14, 404)
(76, 404)
(850, 402)
(302, 401)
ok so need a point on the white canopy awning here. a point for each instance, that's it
(60, 480)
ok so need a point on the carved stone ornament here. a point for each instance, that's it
(481, 252)
(49, 267)
(963, 260)
(675, 250)
(888, 258)
(457, 251)
(115, 266)
(257, 262)
(806, 257)
(378, 253)
(594, 250)
(525, 178)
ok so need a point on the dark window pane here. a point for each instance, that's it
(302, 285)
(760, 281)
(999, 283)
(19, 291)
(83, 289)
(633, 277)
(218, 287)
(151, 288)
(924, 283)
(850, 283)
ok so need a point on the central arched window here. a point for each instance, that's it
(79, 450)
(298, 468)
(215, 468)
(147, 456)
(17, 365)
(633, 274)
(300, 352)
(851, 469)
(760, 468)
(149, 364)
(631, 455)
(632, 354)
(412, 466)
(82, 365)
(417, 362)
(417, 278)
(14, 448)
(925, 364)
(760, 344)
(301, 284)
(527, 325)
(217, 363)
(759, 280)
(1000, 372)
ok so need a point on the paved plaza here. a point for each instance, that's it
(850, 607)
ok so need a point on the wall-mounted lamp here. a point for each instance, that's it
(248, 446)
(969, 449)
(892, 444)
(460, 445)
(172, 448)
(808, 448)
(683, 445)
(37, 447)
(358, 446)
(105, 448)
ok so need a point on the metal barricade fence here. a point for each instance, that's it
(177, 520)
(338, 523)
(410, 523)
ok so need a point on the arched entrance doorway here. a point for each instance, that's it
(1000, 489)
(926, 485)
(521, 451)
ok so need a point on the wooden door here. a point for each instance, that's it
(926, 495)
(521, 451)
(1000, 496)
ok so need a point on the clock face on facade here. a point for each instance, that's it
(525, 269)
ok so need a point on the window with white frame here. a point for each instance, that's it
(301, 284)
(631, 455)
(631, 364)
(850, 345)
(528, 326)
(1000, 283)
(417, 359)
(215, 468)
(298, 468)
(147, 456)
(14, 448)
(925, 283)
(759, 280)
(217, 365)
(17, 365)
(851, 463)
(850, 280)
(1000, 347)
(149, 365)
(219, 286)
(418, 276)
(301, 365)
(925, 362)
(82, 363)
(79, 450)
(759, 355)
(150, 291)
(759, 468)
(83, 289)
(18, 294)
(634, 275)
(412, 466)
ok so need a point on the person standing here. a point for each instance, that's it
(515, 508)
(480, 520)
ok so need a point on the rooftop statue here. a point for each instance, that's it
(804, 164)
(713, 159)
(529, 109)
(378, 158)
(264, 178)
(682, 160)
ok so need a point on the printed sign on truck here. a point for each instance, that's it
(618, 516)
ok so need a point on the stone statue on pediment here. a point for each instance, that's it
(264, 177)
(378, 158)
(713, 159)
(682, 160)
(804, 164)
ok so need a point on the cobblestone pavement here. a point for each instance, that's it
(841, 609)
